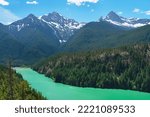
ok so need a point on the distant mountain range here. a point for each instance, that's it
(96, 35)
(92, 36)
(60, 26)
(33, 38)
(115, 19)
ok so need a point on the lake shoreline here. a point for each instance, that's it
(98, 92)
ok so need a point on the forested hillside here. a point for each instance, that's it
(119, 68)
(26, 41)
(98, 35)
(93, 36)
(15, 88)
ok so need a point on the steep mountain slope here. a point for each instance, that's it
(64, 28)
(106, 35)
(113, 18)
(138, 35)
(119, 68)
(37, 37)
(9, 46)
(93, 35)
(31, 29)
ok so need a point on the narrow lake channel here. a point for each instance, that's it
(58, 91)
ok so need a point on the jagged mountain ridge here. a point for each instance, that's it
(31, 28)
(37, 38)
(64, 28)
(32, 38)
(115, 19)
(61, 27)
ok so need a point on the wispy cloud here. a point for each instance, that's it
(6, 16)
(147, 12)
(120, 13)
(136, 10)
(4, 2)
(32, 2)
(81, 2)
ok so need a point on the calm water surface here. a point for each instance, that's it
(57, 91)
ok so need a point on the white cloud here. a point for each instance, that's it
(120, 13)
(4, 2)
(136, 10)
(81, 2)
(147, 12)
(32, 2)
(6, 16)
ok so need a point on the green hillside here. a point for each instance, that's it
(118, 68)
(105, 35)
(15, 88)
(34, 42)
(92, 36)
(9, 46)
(134, 36)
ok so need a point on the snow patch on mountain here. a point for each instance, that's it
(64, 27)
(126, 24)
(19, 27)
(113, 18)
(62, 41)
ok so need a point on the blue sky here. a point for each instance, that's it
(80, 10)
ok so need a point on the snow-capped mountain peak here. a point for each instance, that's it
(63, 27)
(56, 18)
(114, 18)
(30, 20)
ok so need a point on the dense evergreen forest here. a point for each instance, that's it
(119, 68)
(13, 87)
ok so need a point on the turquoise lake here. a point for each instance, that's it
(57, 91)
